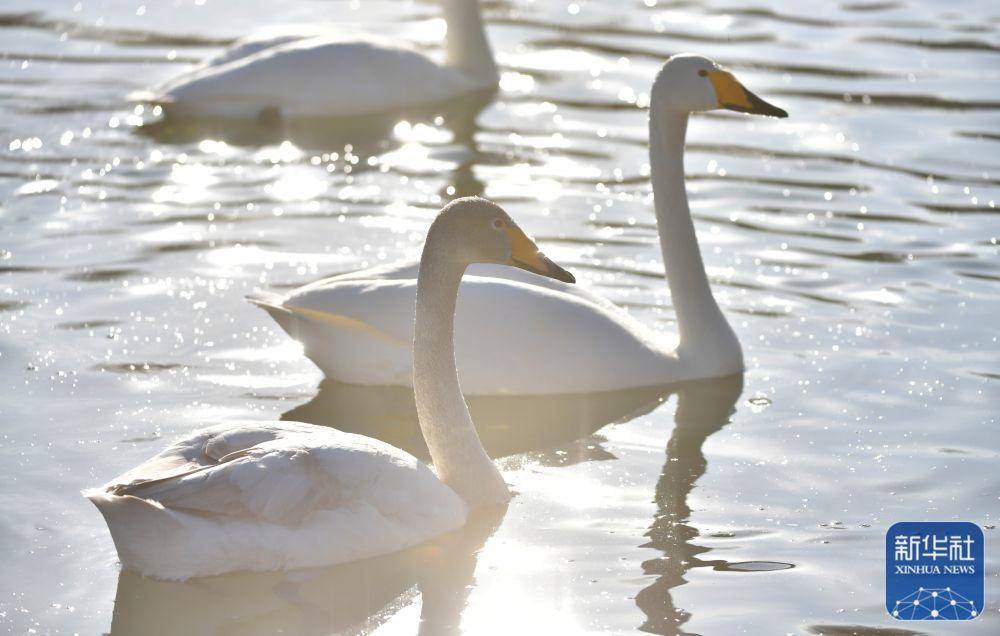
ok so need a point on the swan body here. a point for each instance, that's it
(272, 496)
(514, 334)
(561, 339)
(284, 495)
(305, 76)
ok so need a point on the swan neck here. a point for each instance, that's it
(458, 455)
(700, 322)
(466, 46)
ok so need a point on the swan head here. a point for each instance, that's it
(691, 83)
(480, 231)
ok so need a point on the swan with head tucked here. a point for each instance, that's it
(282, 495)
(327, 76)
(542, 336)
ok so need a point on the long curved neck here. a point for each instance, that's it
(459, 458)
(703, 329)
(466, 46)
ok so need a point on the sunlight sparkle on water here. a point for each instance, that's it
(227, 260)
(298, 183)
(216, 147)
(421, 133)
(416, 157)
(714, 23)
(191, 184)
(512, 82)
(285, 152)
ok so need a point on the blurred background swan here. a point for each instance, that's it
(283, 495)
(544, 336)
(304, 76)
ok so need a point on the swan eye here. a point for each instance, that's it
(498, 224)
(703, 73)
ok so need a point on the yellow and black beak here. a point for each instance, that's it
(735, 96)
(525, 254)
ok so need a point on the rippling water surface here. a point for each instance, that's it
(853, 246)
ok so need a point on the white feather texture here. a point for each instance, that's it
(272, 496)
(321, 75)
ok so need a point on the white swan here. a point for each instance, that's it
(544, 337)
(324, 76)
(282, 495)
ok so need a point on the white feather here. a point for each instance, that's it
(272, 496)
(322, 75)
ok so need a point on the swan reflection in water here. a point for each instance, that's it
(361, 596)
(349, 598)
(366, 134)
(507, 425)
(703, 408)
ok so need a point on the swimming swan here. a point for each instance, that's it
(283, 495)
(520, 334)
(326, 76)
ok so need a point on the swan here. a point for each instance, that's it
(264, 496)
(544, 337)
(294, 76)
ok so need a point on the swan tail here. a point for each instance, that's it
(272, 304)
(268, 302)
(140, 528)
(289, 317)
(336, 342)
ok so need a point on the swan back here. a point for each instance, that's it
(512, 336)
(317, 77)
(272, 496)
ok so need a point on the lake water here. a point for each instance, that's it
(854, 247)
